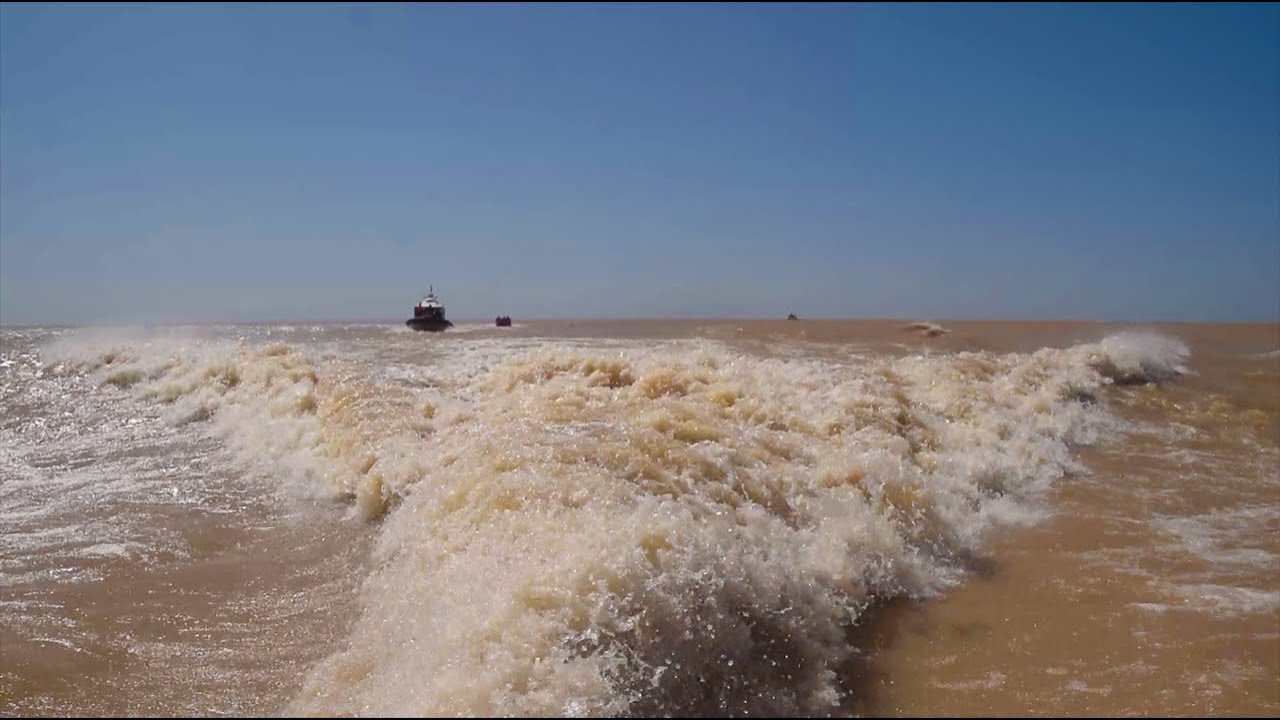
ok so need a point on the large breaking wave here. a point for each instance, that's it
(628, 528)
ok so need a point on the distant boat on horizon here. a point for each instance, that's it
(428, 314)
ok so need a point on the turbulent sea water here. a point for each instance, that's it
(641, 518)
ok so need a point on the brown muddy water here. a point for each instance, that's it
(601, 517)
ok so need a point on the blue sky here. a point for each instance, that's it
(196, 163)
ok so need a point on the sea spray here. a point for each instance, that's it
(679, 529)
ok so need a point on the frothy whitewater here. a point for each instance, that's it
(592, 527)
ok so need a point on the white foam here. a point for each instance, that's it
(1139, 357)
(990, 681)
(628, 527)
(1227, 600)
(1218, 537)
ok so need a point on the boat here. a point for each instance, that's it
(502, 321)
(428, 314)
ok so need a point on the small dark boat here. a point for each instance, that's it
(428, 314)
(792, 316)
(502, 321)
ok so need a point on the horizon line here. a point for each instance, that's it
(681, 318)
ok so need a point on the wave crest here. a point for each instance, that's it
(630, 529)
(1135, 358)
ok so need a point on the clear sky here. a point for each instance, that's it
(195, 163)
